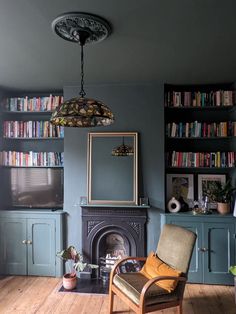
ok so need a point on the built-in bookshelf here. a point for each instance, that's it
(31, 149)
(25, 127)
(200, 131)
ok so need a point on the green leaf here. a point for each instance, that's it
(71, 254)
(232, 269)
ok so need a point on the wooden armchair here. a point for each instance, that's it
(141, 294)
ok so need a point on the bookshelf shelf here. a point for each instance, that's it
(206, 108)
(60, 167)
(202, 168)
(201, 138)
(33, 138)
(7, 112)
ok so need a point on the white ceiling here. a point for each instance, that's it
(172, 41)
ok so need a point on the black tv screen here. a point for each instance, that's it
(37, 187)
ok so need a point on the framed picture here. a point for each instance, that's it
(180, 185)
(205, 182)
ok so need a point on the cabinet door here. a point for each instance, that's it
(219, 242)
(195, 269)
(13, 248)
(41, 247)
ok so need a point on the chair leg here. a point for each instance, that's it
(111, 301)
(180, 308)
(141, 311)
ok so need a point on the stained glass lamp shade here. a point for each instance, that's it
(80, 111)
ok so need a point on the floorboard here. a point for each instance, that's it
(28, 295)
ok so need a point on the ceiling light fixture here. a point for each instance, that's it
(82, 28)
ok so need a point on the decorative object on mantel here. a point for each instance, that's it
(143, 201)
(76, 263)
(82, 28)
(173, 205)
(123, 150)
(83, 200)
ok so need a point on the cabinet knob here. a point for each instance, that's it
(29, 242)
(24, 241)
(203, 249)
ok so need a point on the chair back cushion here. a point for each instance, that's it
(154, 267)
(175, 247)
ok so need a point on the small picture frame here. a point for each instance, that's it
(204, 185)
(180, 185)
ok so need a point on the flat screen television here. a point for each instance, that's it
(36, 187)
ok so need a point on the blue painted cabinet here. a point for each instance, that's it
(29, 241)
(219, 241)
(13, 250)
(214, 251)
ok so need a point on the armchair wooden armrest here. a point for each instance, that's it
(113, 272)
(152, 281)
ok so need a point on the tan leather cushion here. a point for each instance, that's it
(154, 267)
(131, 284)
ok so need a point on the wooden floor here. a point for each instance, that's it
(26, 295)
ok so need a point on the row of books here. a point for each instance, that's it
(200, 99)
(31, 159)
(29, 129)
(201, 159)
(32, 104)
(201, 129)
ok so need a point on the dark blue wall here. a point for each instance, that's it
(137, 108)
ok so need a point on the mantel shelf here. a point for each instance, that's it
(114, 206)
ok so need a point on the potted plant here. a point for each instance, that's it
(75, 263)
(222, 194)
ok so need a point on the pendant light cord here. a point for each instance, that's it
(82, 92)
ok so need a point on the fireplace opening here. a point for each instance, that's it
(113, 247)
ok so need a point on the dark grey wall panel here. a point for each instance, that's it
(136, 108)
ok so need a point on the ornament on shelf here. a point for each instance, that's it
(173, 205)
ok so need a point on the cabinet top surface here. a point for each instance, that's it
(190, 214)
(32, 211)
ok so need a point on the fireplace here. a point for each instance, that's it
(113, 232)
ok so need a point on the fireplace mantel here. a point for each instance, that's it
(101, 220)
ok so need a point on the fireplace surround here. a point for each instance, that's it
(103, 226)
